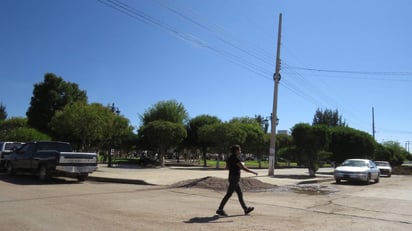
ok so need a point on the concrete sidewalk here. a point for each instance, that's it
(168, 175)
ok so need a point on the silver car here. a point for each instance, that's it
(363, 170)
(384, 167)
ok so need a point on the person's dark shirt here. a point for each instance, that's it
(232, 165)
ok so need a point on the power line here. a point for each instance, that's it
(252, 60)
(190, 38)
(385, 73)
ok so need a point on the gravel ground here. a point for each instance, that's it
(220, 184)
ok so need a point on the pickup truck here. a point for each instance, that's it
(6, 147)
(51, 158)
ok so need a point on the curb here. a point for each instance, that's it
(118, 180)
(315, 181)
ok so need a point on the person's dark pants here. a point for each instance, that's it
(233, 186)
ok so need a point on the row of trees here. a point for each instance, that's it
(59, 111)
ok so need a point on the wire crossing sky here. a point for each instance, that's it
(218, 57)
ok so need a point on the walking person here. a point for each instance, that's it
(234, 165)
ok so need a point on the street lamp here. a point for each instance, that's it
(117, 111)
(266, 123)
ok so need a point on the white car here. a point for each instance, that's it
(384, 167)
(357, 170)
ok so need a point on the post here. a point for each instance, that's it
(274, 117)
(373, 123)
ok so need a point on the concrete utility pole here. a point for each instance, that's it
(373, 123)
(274, 117)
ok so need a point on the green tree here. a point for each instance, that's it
(391, 151)
(310, 141)
(16, 129)
(351, 143)
(222, 136)
(283, 144)
(193, 127)
(162, 135)
(255, 136)
(81, 124)
(168, 117)
(328, 117)
(24, 134)
(49, 96)
(118, 133)
(89, 126)
(3, 113)
(8, 125)
(169, 110)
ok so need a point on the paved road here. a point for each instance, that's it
(65, 204)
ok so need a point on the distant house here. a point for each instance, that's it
(283, 132)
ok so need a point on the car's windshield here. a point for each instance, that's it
(355, 163)
(382, 163)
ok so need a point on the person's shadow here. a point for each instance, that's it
(212, 219)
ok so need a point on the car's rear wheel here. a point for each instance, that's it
(368, 179)
(377, 179)
(337, 181)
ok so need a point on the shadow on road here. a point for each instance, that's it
(34, 180)
(212, 219)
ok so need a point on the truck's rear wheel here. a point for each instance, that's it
(43, 173)
(82, 177)
(10, 169)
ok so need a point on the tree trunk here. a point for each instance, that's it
(312, 172)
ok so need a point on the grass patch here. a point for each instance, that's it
(252, 164)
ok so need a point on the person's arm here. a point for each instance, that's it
(242, 166)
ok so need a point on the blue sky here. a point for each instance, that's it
(218, 57)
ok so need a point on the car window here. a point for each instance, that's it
(24, 148)
(61, 147)
(355, 163)
(11, 146)
(382, 163)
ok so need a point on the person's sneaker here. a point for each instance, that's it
(248, 210)
(221, 212)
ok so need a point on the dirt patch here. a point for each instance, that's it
(219, 184)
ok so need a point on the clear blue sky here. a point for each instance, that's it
(217, 57)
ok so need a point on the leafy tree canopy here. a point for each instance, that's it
(16, 129)
(193, 127)
(8, 125)
(3, 113)
(49, 96)
(24, 134)
(328, 117)
(162, 135)
(222, 135)
(310, 140)
(169, 110)
(351, 143)
(87, 126)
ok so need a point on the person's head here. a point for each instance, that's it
(235, 149)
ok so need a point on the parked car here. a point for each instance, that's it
(6, 148)
(357, 170)
(51, 158)
(384, 167)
